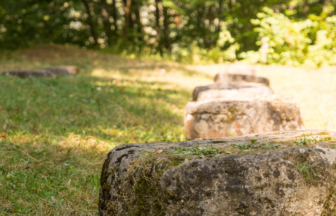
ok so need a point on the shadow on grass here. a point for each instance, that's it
(91, 106)
(60, 130)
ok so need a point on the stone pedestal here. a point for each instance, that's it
(228, 78)
(226, 117)
(231, 91)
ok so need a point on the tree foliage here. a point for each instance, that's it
(184, 30)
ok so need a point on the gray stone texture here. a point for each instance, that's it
(62, 70)
(231, 91)
(224, 117)
(259, 184)
(228, 78)
(25, 74)
(46, 72)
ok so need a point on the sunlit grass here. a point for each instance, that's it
(56, 132)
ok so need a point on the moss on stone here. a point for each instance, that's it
(144, 176)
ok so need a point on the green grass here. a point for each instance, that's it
(56, 132)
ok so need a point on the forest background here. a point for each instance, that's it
(297, 32)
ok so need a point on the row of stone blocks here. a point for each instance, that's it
(239, 104)
(265, 174)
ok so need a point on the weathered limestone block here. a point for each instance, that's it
(231, 91)
(47, 72)
(285, 176)
(24, 74)
(62, 70)
(226, 117)
(242, 69)
(228, 78)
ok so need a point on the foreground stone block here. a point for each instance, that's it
(280, 174)
(228, 78)
(227, 117)
(47, 72)
(242, 69)
(231, 91)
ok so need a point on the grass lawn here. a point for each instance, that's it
(56, 132)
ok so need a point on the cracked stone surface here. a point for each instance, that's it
(227, 117)
(231, 91)
(268, 183)
(228, 78)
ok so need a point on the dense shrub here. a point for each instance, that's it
(310, 42)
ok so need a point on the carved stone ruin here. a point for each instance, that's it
(228, 78)
(47, 72)
(281, 173)
(242, 116)
(231, 91)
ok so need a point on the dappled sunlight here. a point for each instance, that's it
(59, 130)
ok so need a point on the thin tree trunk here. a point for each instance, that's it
(115, 18)
(158, 28)
(127, 9)
(138, 20)
(218, 16)
(166, 28)
(90, 21)
(233, 25)
(106, 21)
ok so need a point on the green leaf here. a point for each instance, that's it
(253, 141)
(230, 133)
(170, 4)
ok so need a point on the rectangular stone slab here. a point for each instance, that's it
(231, 91)
(228, 78)
(241, 116)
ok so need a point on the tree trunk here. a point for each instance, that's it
(138, 19)
(166, 28)
(220, 8)
(233, 33)
(106, 21)
(158, 27)
(115, 18)
(90, 21)
(127, 9)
